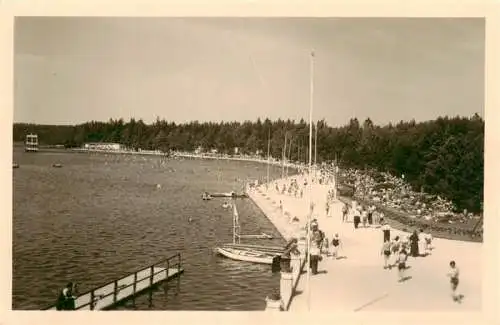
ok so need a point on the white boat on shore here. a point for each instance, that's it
(258, 236)
(248, 255)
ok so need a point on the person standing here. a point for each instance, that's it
(315, 256)
(402, 257)
(386, 252)
(344, 212)
(386, 230)
(66, 300)
(381, 217)
(370, 215)
(422, 242)
(453, 274)
(357, 218)
(414, 244)
(364, 217)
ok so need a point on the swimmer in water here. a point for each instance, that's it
(190, 219)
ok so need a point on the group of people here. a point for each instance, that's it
(321, 245)
(293, 188)
(367, 216)
(397, 251)
(394, 192)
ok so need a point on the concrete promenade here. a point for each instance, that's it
(358, 281)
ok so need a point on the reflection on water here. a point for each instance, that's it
(102, 216)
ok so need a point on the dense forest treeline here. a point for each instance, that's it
(443, 156)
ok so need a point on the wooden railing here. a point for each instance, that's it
(172, 262)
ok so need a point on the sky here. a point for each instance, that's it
(70, 70)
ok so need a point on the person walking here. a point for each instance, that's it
(336, 244)
(453, 274)
(395, 249)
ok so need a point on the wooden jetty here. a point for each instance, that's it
(118, 291)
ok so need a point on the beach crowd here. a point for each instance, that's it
(395, 249)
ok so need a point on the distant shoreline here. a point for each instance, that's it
(174, 154)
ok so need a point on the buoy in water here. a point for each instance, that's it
(190, 219)
(158, 186)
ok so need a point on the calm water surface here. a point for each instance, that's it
(102, 216)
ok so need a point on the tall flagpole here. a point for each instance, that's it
(283, 158)
(268, 153)
(315, 142)
(308, 263)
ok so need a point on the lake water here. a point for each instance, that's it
(102, 216)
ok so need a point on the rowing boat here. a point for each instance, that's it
(229, 195)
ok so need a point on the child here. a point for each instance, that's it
(325, 249)
(428, 243)
(453, 274)
(403, 256)
(335, 246)
(386, 251)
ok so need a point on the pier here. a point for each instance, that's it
(118, 291)
(357, 281)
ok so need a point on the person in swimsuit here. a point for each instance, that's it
(403, 256)
(386, 230)
(356, 218)
(453, 275)
(395, 248)
(344, 213)
(386, 252)
(335, 246)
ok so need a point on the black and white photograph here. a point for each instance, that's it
(278, 164)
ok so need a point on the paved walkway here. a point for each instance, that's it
(359, 282)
